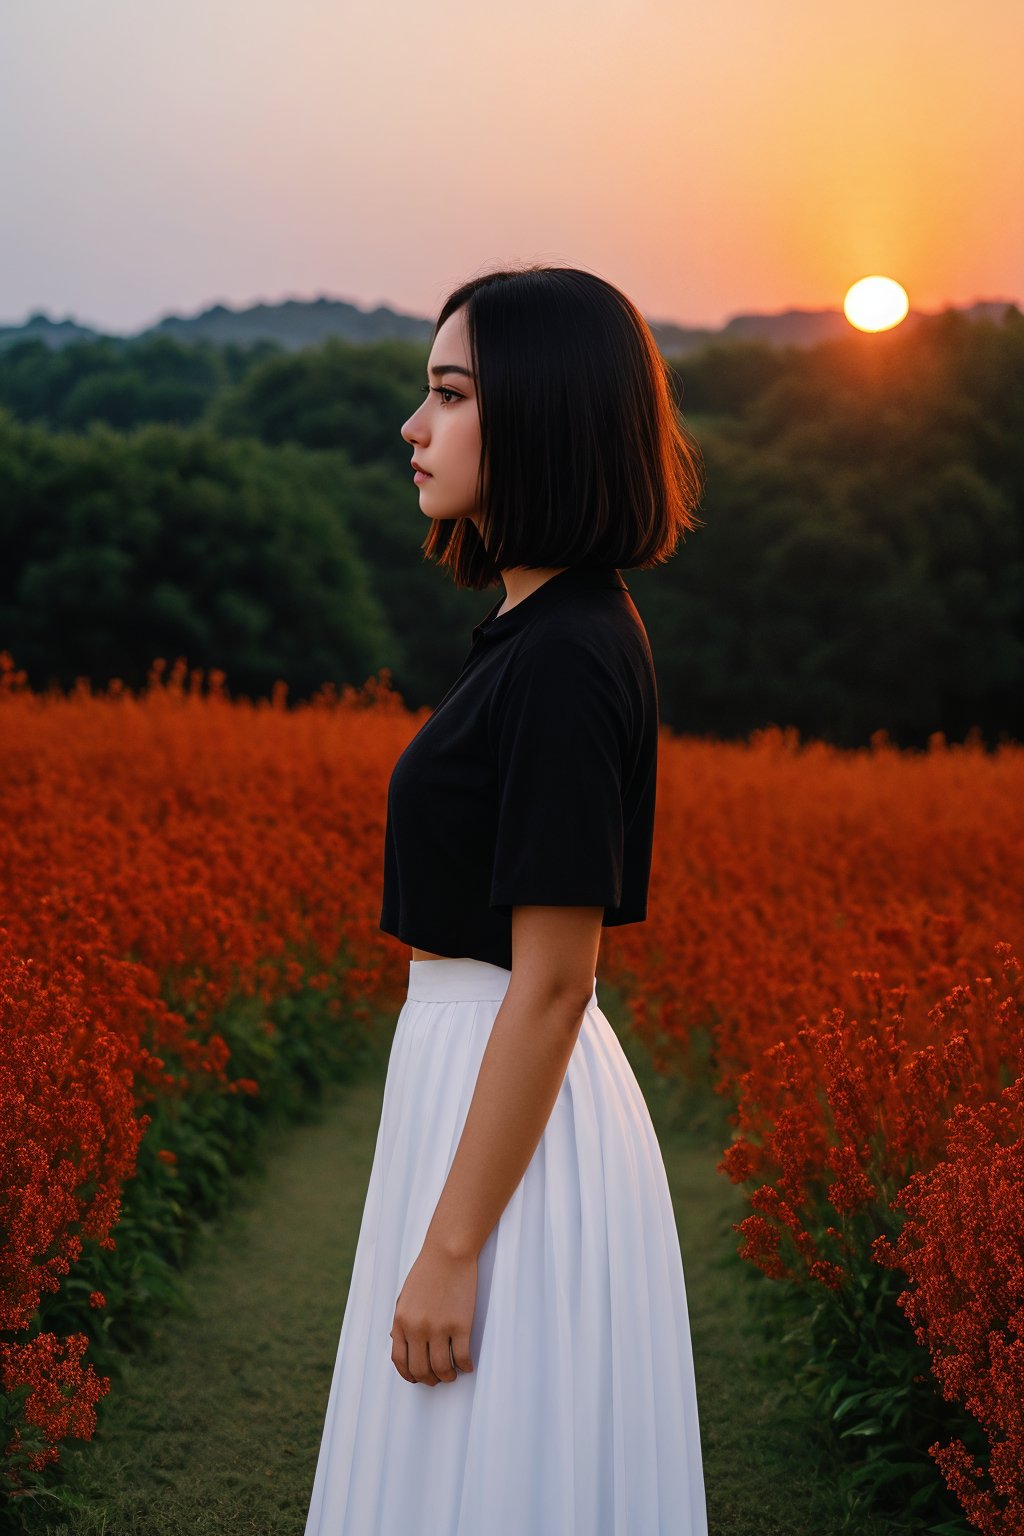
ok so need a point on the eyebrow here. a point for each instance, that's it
(449, 368)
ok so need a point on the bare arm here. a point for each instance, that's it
(554, 960)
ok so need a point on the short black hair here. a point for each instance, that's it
(585, 459)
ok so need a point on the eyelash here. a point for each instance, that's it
(442, 389)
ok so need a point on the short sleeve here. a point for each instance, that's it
(561, 736)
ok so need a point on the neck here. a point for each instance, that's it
(520, 582)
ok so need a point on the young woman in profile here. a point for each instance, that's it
(515, 1354)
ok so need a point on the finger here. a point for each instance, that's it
(419, 1363)
(460, 1351)
(400, 1354)
(439, 1353)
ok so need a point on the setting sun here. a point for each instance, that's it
(875, 304)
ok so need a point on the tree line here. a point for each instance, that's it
(860, 564)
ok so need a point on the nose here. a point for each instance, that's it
(407, 429)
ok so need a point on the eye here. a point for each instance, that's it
(442, 390)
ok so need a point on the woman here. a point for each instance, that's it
(518, 1246)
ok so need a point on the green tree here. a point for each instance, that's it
(173, 542)
(338, 395)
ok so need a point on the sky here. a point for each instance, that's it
(709, 158)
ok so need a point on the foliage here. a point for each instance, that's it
(962, 1248)
(860, 566)
(189, 949)
(122, 383)
(177, 543)
(190, 884)
(337, 395)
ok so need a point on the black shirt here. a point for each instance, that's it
(533, 780)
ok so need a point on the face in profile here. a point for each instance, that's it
(445, 431)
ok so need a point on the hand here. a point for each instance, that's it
(435, 1305)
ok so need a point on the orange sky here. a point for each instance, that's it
(710, 159)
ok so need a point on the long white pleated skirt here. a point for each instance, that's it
(580, 1415)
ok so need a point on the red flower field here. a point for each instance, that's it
(833, 936)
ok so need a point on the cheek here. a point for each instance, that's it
(469, 439)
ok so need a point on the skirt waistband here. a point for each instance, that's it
(461, 979)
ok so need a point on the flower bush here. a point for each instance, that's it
(962, 1248)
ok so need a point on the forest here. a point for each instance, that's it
(858, 568)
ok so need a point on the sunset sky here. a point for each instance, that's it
(164, 155)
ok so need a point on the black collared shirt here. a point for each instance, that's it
(533, 780)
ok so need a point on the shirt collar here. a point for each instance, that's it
(550, 591)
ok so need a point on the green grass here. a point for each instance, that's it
(768, 1470)
(215, 1431)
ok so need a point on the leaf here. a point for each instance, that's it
(878, 1472)
(851, 1402)
(869, 1427)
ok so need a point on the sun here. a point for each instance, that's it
(876, 304)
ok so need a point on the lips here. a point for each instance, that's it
(419, 470)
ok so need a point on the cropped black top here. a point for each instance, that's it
(533, 780)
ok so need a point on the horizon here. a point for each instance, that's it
(240, 307)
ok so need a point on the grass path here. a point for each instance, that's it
(215, 1432)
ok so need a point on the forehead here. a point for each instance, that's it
(451, 344)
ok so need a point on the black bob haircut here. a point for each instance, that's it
(585, 460)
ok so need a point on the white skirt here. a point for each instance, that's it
(579, 1417)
